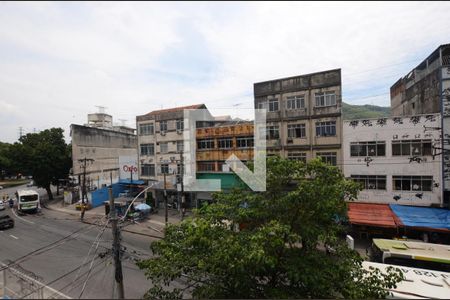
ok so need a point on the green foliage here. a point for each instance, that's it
(279, 251)
(43, 155)
(351, 112)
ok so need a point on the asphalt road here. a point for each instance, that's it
(51, 246)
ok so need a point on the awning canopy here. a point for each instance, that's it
(423, 217)
(370, 214)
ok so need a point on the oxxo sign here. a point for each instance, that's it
(129, 169)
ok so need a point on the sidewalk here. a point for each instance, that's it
(153, 226)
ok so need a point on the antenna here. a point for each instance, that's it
(123, 122)
(101, 109)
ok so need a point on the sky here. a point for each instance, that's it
(59, 61)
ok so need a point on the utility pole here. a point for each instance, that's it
(118, 276)
(165, 200)
(183, 200)
(83, 188)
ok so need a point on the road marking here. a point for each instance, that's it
(14, 236)
(14, 212)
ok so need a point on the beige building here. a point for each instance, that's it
(304, 118)
(160, 143)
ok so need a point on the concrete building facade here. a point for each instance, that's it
(104, 147)
(426, 89)
(304, 117)
(394, 160)
(160, 144)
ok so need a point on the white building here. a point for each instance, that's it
(395, 159)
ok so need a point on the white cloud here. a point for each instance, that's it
(59, 60)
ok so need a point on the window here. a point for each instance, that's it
(148, 170)
(296, 131)
(273, 104)
(163, 126)
(328, 157)
(272, 132)
(164, 147)
(146, 129)
(413, 183)
(178, 168)
(295, 102)
(326, 128)
(180, 146)
(325, 99)
(205, 144)
(180, 124)
(371, 182)
(244, 142)
(206, 167)
(412, 148)
(225, 143)
(147, 149)
(368, 149)
(297, 156)
(262, 105)
(164, 169)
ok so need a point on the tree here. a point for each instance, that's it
(280, 251)
(43, 155)
(6, 165)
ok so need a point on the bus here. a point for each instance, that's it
(417, 283)
(411, 254)
(27, 200)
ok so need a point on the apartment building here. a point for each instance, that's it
(424, 90)
(395, 159)
(304, 117)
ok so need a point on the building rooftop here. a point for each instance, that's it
(174, 109)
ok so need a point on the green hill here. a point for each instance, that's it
(366, 111)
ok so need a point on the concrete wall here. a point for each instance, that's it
(388, 130)
(105, 147)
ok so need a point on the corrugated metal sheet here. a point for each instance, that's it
(369, 214)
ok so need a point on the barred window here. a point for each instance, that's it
(273, 104)
(226, 143)
(163, 126)
(148, 170)
(164, 147)
(244, 142)
(412, 148)
(205, 144)
(146, 129)
(296, 131)
(326, 128)
(147, 149)
(412, 183)
(180, 146)
(272, 132)
(164, 169)
(328, 157)
(371, 182)
(297, 156)
(325, 99)
(368, 148)
(180, 124)
(295, 102)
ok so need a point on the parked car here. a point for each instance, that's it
(6, 221)
(2, 205)
(1, 188)
(30, 184)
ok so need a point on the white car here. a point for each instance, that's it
(2, 205)
(1, 188)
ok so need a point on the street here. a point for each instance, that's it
(51, 246)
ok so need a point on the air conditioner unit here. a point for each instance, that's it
(179, 131)
(172, 158)
(163, 133)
